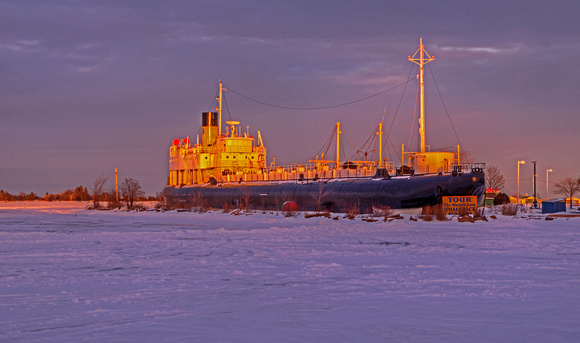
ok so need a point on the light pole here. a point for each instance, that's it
(547, 171)
(534, 185)
(519, 162)
(116, 187)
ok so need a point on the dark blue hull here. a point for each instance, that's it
(336, 195)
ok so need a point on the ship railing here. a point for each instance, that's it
(235, 149)
(304, 172)
(469, 167)
(457, 169)
(315, 171)
(322, 166)
(309, 171)
(453, 169)
(243, 149)
(298, 168)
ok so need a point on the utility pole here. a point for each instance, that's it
(535, 205)
(518, 204)
(116, 186)
(547, 189)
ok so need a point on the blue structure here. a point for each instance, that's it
(554, 205)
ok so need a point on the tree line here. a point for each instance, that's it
(78, 194)
(130, 192)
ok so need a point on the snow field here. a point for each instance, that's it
(68, 274)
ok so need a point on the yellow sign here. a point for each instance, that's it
(460, 205)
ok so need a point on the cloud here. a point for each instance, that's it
(12, 47)
(365, 78)
(484, 49)
(20, 45)
(29, 42)
(85, 69)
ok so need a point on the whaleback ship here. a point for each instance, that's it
(229, 168)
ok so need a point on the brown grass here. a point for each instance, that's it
(427, 213)
(434, 211)
(509, 209)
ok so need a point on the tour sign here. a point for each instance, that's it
(459, 205)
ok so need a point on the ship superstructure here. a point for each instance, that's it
(221, 156)
(235, 156)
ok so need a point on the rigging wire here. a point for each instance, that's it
(327, 144)
(227, 107)
(384, 112)
(323, 107)
(214, 103)
(446, 111)
(349, 140)
(212, 107)
(397, 112)
(394, 149)
(414, 115)
(366, 146)
(343, 150)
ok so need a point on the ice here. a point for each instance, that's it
(69, 274)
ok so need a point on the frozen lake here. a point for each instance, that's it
(68, 274)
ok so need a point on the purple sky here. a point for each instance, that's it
(89, 86)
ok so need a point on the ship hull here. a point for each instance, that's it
(335, 195)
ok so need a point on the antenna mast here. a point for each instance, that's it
(338, 132)
(421, 61)
(219, 109)
(380, 133)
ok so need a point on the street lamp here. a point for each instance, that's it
(519, 162)
(547, 171)
(534, 185)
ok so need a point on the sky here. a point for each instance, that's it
(90, 86)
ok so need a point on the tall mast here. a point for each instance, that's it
(338, 145)
(219, 109)
(380, 133)
(421, 61)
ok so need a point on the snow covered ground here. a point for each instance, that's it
(68, 274)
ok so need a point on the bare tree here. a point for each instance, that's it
(279, 199)
(111, 198)
(494, 178)
(246, 195)
(164, 202)
(196, 202)
(567, 186)
(97, 190)
(130, 191)
(320, 194)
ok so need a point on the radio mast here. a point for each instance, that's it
(421, 57)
